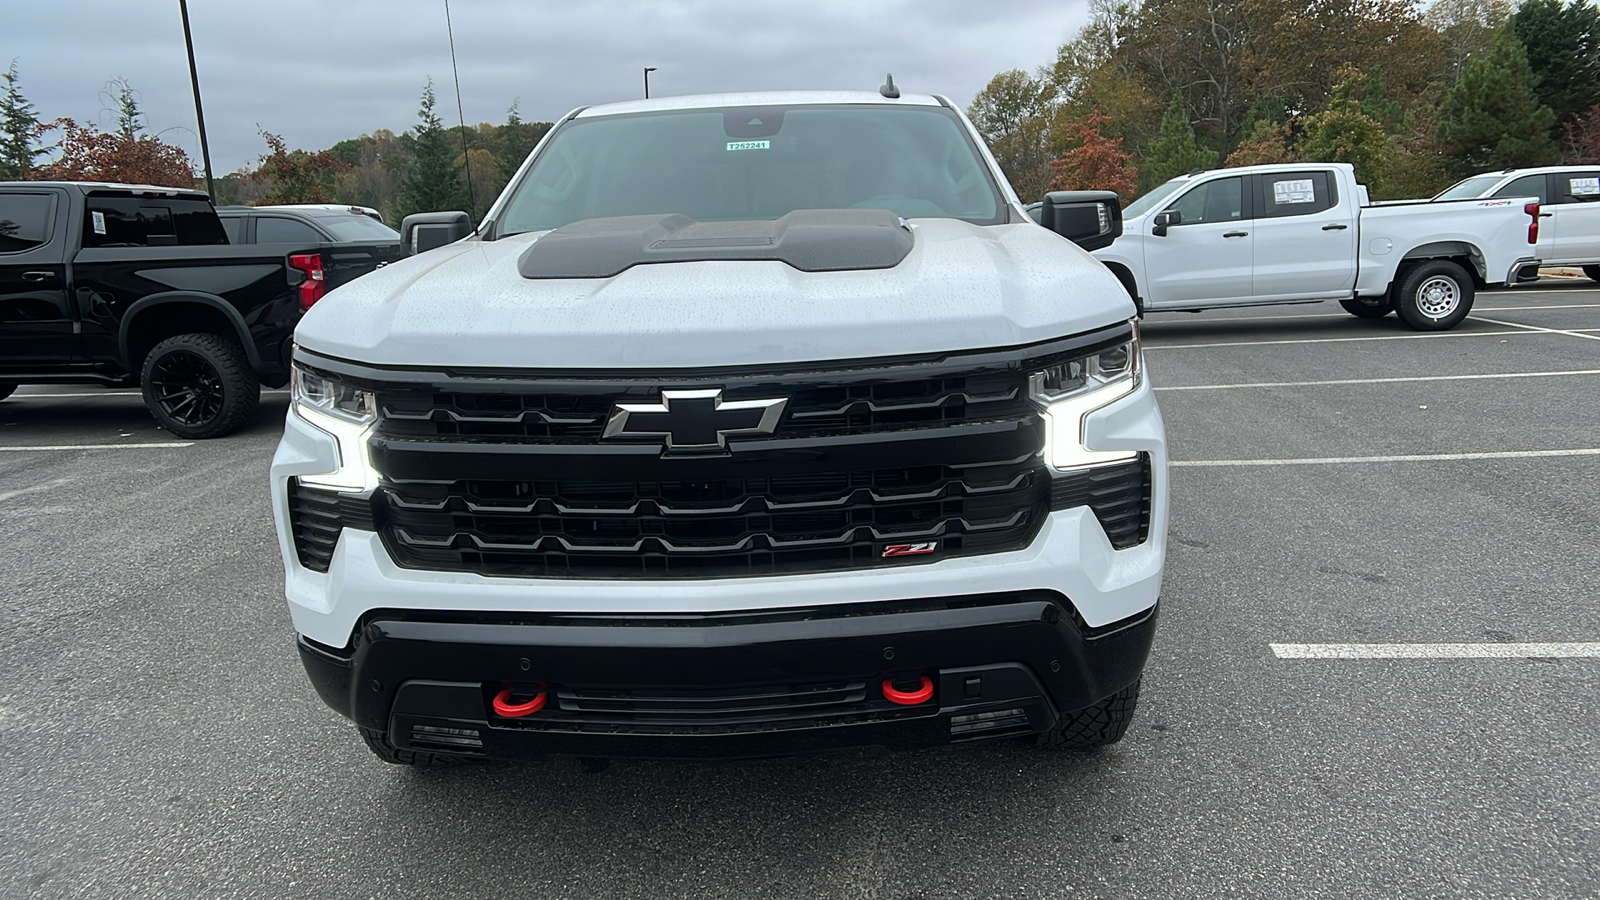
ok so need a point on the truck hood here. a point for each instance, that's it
(961, 287)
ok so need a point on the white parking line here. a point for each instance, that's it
(1561, 650)
(1410, 457)
(1397, 380)
(1381, 337)
(51, 448)
(46, 395)
(1539, 328)
(1341, 315)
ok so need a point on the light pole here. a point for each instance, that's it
(647, 71)
(199, 114)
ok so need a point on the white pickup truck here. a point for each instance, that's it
(1302, 232)
(1569, 201)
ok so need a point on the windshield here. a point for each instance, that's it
(1144, 204)
(756, 163)
(1472, 188)
(358, 228)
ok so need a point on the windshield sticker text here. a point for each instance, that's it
(749, 145)
(1297, 191)
(1582, 187)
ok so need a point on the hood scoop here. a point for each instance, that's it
(811, 240)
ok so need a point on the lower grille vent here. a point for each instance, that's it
(1119, 494)
(317, 516)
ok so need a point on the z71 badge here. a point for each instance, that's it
(909, 549)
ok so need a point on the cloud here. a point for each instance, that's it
(318, 72)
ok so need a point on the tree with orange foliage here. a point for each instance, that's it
(295, 176)
(88, 154)
(1092, 161)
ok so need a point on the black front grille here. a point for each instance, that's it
(820, 405)
(1118, 493)
(318, 515)
(811, 521)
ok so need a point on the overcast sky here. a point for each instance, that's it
(318, 71)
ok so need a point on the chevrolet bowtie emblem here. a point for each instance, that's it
(694, 421)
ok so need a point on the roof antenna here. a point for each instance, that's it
(888, 89)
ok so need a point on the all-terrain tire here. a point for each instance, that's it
(1434, 296)
(7, 390)
(200, 386)
(1593, 272)
(1368, 307)
(378, 742)
(1095, 726)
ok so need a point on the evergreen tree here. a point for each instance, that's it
(18, 129)
(1563, 45)
(1175, 150)
(1492, 119)
(130, 119)
(432, 182)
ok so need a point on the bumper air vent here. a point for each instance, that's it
(316, 516)
(1119, 494)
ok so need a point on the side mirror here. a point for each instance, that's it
(1165, 220)
(421, 232)
(1090, 219)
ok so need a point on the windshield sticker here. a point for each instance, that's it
(1582, 187)
(749, 145)
(1297, 191)
(99, 222)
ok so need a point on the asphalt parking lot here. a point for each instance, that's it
(1337, 482)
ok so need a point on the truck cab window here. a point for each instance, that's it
(279, 230)
(1527, 186)
(1294, 194)
(24, 221)
(1215, 201)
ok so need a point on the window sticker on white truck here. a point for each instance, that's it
(1300, 190)
(749, 145)
(1583, 187)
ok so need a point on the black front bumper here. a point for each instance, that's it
(732, 685)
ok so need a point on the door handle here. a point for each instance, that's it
(1334, 227)
(38, 276)
(1545, 215)
(1237, 234)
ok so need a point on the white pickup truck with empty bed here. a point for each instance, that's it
(1303, 232)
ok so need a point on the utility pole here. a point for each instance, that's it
(647, 71)
(199, 114)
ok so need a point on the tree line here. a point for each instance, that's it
(425, 168)
(1414, 98)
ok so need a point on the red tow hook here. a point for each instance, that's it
(504, 707)
(922, 694)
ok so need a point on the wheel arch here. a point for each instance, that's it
(1463, 253)
(157, 317)
(1129, 283)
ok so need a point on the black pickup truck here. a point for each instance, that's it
(125, 284)
(353, 239)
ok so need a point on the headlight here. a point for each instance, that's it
(1068, 391)
(345, 412)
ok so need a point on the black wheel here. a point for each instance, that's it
(1099, 725)
(7, 390)
(200, 386)
(378, 743)
(1593, 272)
(1368, 307)
(1434, 296)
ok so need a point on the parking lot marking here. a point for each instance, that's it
(1379, 337)
(1560, 650)
(47, 395)
(1276, 384)
(1340, 315)
(1540, 328)
(48, 448)
(1409, 457)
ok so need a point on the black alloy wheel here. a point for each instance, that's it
(200, 385)
(187, 387)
